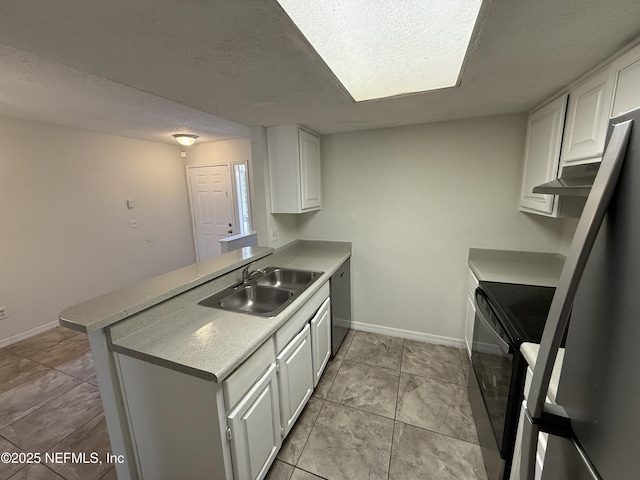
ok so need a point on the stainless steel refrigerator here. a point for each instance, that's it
(595, 431)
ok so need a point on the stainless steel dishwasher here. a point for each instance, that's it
(340, 305)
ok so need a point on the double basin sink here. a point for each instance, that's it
(265, 295)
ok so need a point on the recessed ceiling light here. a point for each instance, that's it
(382, 48)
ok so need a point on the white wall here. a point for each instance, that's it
(236, 150)
(413, 200)
(65, 233)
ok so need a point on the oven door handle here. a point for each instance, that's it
(504, 346)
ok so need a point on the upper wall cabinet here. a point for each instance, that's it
(612, 90)
(294, 167)
(625, 78)
(586, 124)
(542, 151)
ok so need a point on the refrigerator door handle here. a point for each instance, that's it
(583, 240)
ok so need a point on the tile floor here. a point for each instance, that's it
(49, 402)
(385, 408)
(388, 409)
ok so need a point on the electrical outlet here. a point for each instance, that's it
(133, 223)
(4, 313)
(274, 234)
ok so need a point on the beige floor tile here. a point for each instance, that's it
(369, 388)
(299, 434)
(36, 471)
(377, 350)
(9, 468)
(346, 343)
(42, 341)
(421, 454)
(16, 369)
(348, 444)
(81, 367)
(43, 428)
(62, 352)
(328, 376)
(437, 406)
(280, 471)
(302, 475)
(90, 437)
(26, 398)
(434, 361)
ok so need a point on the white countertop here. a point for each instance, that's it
(112, 307)
(530, 354)
(211, 343)
(509, 266)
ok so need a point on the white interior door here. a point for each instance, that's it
(211, 206)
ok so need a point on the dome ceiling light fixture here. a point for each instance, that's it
(185, 138)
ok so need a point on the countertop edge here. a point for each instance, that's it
(220, 374)
(78, 317)
(530, 353)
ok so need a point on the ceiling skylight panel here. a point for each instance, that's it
(383, 48)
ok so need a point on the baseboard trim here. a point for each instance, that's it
(29, 333)
(410, 334)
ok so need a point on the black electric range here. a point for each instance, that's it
(522, 309)
(507, 315)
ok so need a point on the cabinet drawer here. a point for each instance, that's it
(245, 376)
(290, 329)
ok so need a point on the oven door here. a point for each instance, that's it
(492, 359)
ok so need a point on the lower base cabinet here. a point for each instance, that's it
(254, 429)
(295, 378)
(182, 426)
(321, 339)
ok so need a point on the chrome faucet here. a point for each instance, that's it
(247, 275)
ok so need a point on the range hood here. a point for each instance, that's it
(575, 181)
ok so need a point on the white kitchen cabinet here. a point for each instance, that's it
(472, 284)
(542, 154)
(586, 123)
(295, 378)
(625, 78)
(294, 169)
(321, 339)
(254, 427)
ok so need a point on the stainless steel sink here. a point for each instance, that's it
(265, 295)
(287, 278)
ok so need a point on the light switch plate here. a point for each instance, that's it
(274, 234)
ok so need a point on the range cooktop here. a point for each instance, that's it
(521, 309)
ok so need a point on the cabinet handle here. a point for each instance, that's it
(229, 231)
(342, 274)
(230, 225)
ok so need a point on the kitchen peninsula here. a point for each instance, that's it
(179, 380)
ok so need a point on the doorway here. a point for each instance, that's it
(215, 205)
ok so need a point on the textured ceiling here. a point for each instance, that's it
(244, 60)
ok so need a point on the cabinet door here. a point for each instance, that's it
(541, 157)
(321, 339)
(626, 79)
(255, 429)
(587, 115)
(309, 171)
(295, 377)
